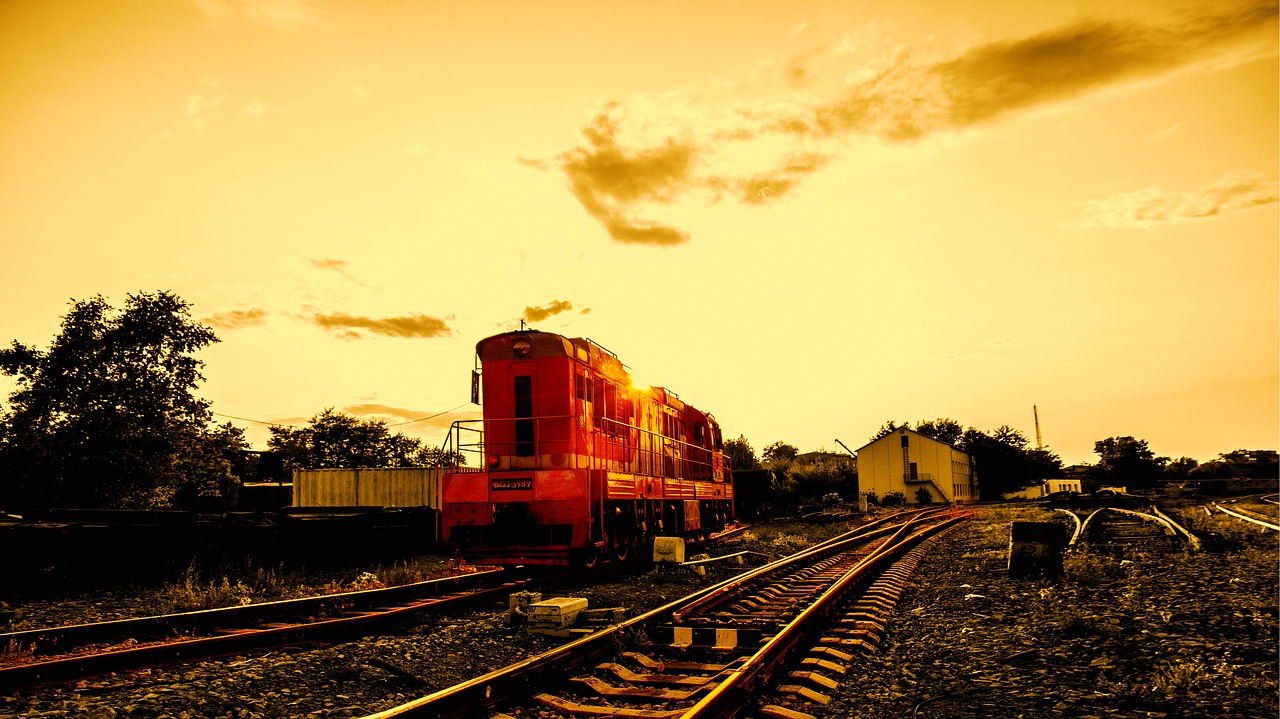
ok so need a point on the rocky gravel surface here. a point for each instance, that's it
(1119, 635)
(1167, 635)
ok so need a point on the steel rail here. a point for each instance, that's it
(1108, 524)
(47, 639)
(376, 609)
(1239, 513)
(525, 677)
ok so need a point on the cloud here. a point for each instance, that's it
(330, 263)
(237, 319)
(609, 179)
(197, 106)
(538, 314)
(410, 326)
(618, 179)
(253, 107)
(338, 266)
(289, 15)
(1152, 206)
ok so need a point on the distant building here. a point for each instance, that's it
(1047, 487)
(1061, 485)
(820, 457)
(906, 461)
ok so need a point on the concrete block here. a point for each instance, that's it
(668, 549)
(557, 612)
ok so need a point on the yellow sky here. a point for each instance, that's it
(805, 217)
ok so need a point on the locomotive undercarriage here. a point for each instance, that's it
(514, 536)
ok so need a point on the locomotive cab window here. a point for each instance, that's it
(523, 395)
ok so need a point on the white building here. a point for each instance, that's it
(907, 461)
(1061, 485)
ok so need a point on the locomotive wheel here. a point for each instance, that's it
(622, 547)
(590, 559)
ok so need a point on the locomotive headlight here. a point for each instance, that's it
(522, 348)
(493, 461)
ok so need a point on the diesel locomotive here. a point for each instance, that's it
(575, 463)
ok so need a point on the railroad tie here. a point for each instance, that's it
(627, 675)
(716, 638)
(833, 653)
(797, 690)
(641, 694)
(824, 664)
(860, 623)
(564, 706)
(645, 661)
(854, 643)
(821, 681)
(773, 711)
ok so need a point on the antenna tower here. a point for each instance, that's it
(1039, 442)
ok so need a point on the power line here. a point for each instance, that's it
(424, 419)
(246, 419)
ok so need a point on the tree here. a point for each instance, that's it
(812, 481)
(107, 415)
(1179, 469)
(779, 451)
(336, 440)
(941, 429)
(1127, 461)
(889, 428)
(1245, 463)
(1005, 462)
(740, 454)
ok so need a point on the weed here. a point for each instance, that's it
(15, 652)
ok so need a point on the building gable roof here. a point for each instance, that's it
(900, 430)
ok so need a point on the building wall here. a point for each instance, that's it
(940, 468)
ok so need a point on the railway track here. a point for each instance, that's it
(1262, 514)
(68, 652)
(1128, 529)
(789, 628)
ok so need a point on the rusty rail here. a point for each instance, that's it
(233, 629)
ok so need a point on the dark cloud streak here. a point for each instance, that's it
(538, 314)
(409, 326)
(237, 319)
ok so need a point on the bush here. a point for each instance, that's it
(893, 499)
(923, 496)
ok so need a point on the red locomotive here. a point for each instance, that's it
(576, 463)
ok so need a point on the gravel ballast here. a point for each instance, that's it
(1136, 635)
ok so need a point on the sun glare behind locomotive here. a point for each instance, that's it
(575, 462)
